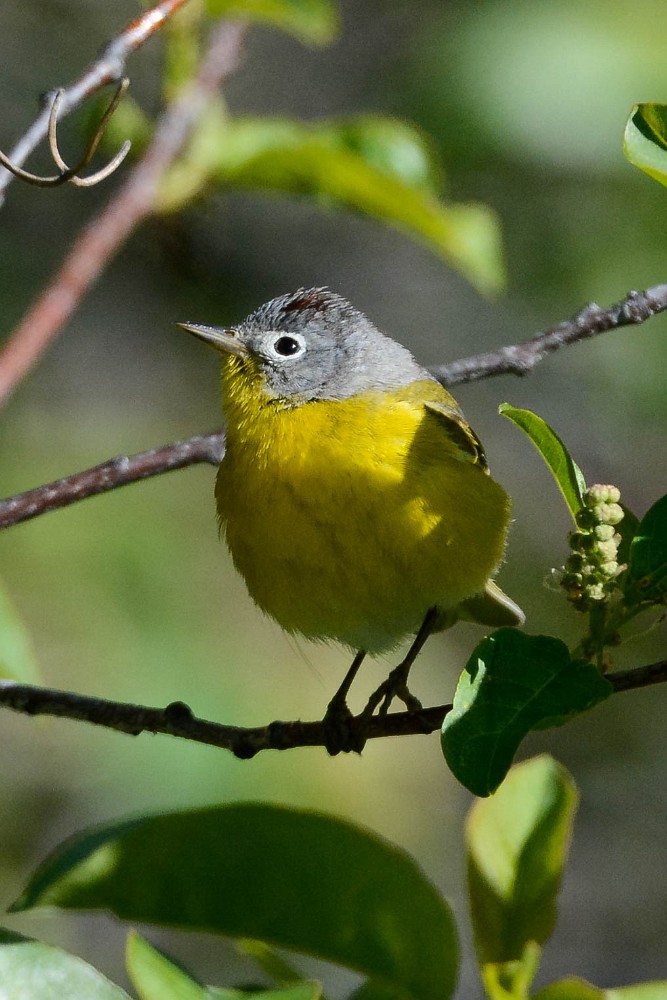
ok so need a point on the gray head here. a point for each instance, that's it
(313, 344)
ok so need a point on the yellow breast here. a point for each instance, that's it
(350, 519)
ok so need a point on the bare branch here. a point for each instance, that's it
(177, 719)
(108, 68)
(132, 203)
(110, 475)
(520, 359)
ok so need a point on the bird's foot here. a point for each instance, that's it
(343, 732)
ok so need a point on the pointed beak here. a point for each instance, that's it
(222, 340)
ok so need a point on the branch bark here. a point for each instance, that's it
(178, 720)
(517, 359)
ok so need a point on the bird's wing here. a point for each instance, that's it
(458, 430)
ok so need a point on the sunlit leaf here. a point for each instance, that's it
(297, 880)
(30, 970)
(564, 469)
(513, 683)
(17, 657)
(646, 578)
(645, 140)
(155, 977)
(639, 991)
(313, 21)
(376, 166)
(517, 844)
(570, 989)
(577, 989)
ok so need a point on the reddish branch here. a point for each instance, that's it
(637, 307)
(108, 68)
(133, 202)
(178, 720)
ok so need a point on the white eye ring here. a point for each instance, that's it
(286, 346)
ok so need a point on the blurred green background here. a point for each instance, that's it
(131, 597)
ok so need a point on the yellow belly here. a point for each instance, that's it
(349, 520)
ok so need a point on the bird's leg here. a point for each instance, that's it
(340, 734)
(396, 684)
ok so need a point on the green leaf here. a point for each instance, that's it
(627, 530)
(513, 683)
(297, 880)
(570, 989)
(564, 469)
(646, 578)
(645, 140)
(17, 658)
(373, 165)
(303, 990)
(30, 969)
(312, 21)
(517, 845)
(270, 962)
(578, 989)
(639, 991)
(155, 977)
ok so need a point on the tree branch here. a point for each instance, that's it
(178, 720)
(110, 475)
(517, 359)
(108, 68)
(132, 203)
(520, 359)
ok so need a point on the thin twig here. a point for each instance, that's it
(132, 203)
(110, 475)
(108, 68)
(70, 174)
(178, 720)
(520, 359)
(209, 448)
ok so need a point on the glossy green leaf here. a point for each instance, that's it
(17, 658)
(312, 21)
(646, 578)
(30, 970)
(155, 977)
(517, 844)
(513, 683)
(297, 880)
(564, 469)
(645, 140)
(570, 989)
(376, 166)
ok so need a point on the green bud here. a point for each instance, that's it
(607, 550)
(608, 513)
(585, 518)
(601, 493)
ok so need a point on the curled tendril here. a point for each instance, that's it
(71, 174)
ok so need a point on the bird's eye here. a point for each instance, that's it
(288, 347)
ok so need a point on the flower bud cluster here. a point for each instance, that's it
(593, 566)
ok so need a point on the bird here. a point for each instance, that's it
(353, 495)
